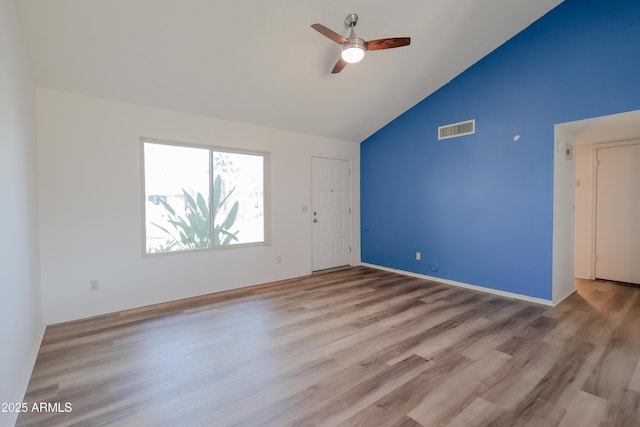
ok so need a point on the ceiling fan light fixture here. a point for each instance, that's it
(354, 48)
(353, 51)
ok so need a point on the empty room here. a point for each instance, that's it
(354, 213)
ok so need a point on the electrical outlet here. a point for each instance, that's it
(279, 259)
(418, 256)
(94, 285)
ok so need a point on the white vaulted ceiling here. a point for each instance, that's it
(259, 61)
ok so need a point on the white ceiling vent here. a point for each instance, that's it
(457, 129)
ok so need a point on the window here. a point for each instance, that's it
(198, 198)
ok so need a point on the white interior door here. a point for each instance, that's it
(331, 213)
(618, 213)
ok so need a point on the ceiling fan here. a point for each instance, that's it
(353, 48)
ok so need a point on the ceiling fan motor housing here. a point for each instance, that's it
(353, 50)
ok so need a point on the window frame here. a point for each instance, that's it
(266, 194)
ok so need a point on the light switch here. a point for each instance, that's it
(568, 152)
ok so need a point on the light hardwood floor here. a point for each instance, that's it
(356, 346)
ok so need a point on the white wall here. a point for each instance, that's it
(564, 172)
(583, 266)
(91, 206)
(21, 326)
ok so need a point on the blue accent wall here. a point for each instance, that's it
(480, 208)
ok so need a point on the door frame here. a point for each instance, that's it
(594, 195)
(310, 215)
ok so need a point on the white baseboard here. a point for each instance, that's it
(465, 285)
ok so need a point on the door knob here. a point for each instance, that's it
(315, 219)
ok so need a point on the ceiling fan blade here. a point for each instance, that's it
(339, 66)
(329, 33)
(389, 43)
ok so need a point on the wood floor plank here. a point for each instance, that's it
(353, 346)
(479, 413)
(387, 410)
(585, 409)
(446, 402)
(343, 406)
(634, 383)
